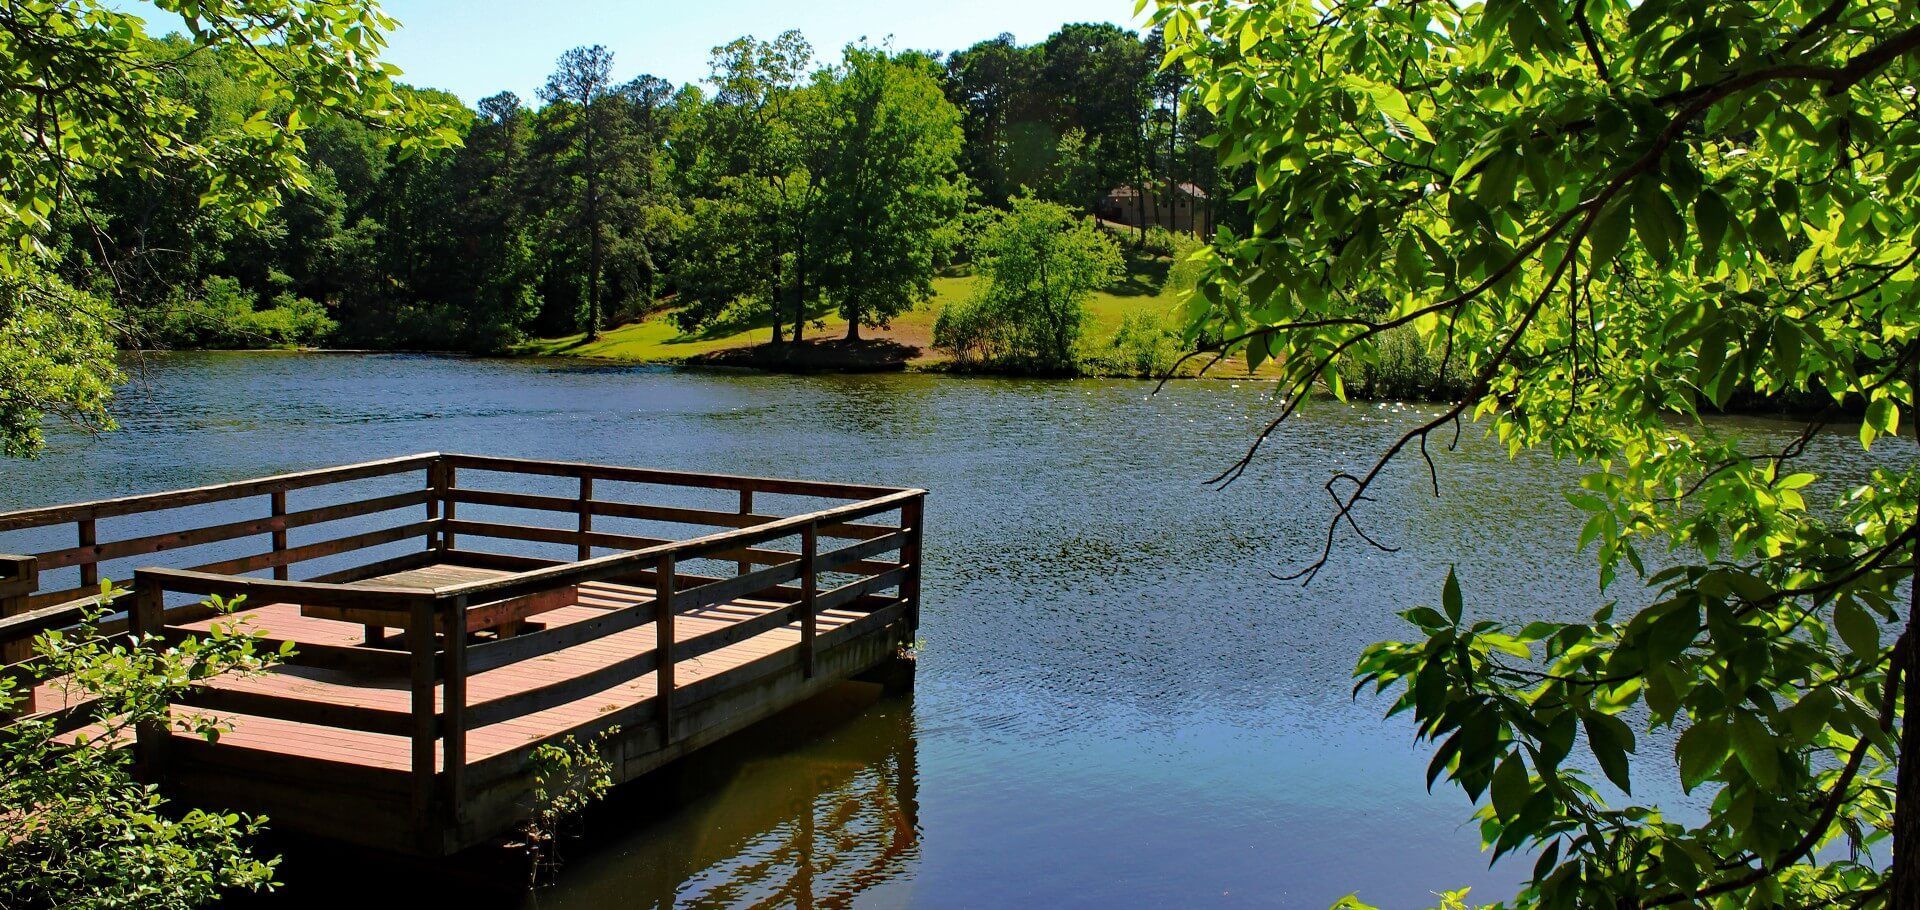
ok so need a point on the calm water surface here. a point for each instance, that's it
(1118, 703)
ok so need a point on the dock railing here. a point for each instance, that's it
(452, 632)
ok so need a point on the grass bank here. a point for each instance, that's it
(656, 338)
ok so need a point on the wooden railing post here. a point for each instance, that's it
(663, 646)
(421, 645)
(90, 569)
(21, 580)
(454, 699)
(809, 594)
(746, 508)
(440, 505)
(280, 532)
(147, 617)
(913, 515)
(586, 516)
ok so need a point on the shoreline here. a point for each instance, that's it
(730, 360)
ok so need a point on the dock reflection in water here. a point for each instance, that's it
(811, 809)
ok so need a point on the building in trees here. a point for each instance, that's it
(1186, 210)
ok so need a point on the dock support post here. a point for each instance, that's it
(454, 729)
(14, 591)
(279, 508)
(89, 570)
(15, 588)
(420, 644)
(147, 617)
(663, 647)
(746, 508)
(586, 516)
(809, 594)
(440, 505)
(913, 515)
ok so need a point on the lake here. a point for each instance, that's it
(1118, 703)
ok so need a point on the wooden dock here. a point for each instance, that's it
(427, 669)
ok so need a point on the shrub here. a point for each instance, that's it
(1159, 241)
(227, 315)
(80, 833)
(1405, 368)
(1143, 346)
(1039, 262)
(1189, 261)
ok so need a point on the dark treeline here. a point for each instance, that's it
(781, 188)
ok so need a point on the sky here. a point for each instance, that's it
(474, 48)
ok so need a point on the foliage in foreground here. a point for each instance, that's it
(1039, 263)
(91, 104)
(1612, 217)
(78, 831)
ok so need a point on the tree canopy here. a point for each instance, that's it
(890, 179)
(1616, 218)
(91, 100)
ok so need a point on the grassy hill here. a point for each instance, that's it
(657, 339)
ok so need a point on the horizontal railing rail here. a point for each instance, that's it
(661, 477)
(173, 499)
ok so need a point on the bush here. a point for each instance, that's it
(1407, 368)
(1189, 261)
(227, 316)
(1161, 242)
(1039, 262)
(1143, 347)
(80, 833)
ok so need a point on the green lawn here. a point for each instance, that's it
(656, 339)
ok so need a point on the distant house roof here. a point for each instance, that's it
(1129, 191)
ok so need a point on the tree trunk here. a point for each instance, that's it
(1903, 889)
(1904, 880)
(775, 290)
(1140, 207)
(593, 229)
(799, 286)
(1173, 147)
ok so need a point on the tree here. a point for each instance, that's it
(889, 178)
(756, 129)
(582, 81)
(1074, 178)
(86, 99)
(1041, 263)
(995, 84)
(1614, 217)
(1096, 76)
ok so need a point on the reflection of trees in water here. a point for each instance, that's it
(857, 832)
(769, 825)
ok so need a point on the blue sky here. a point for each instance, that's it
(474, 49)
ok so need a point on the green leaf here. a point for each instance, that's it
(1610, 740)
(1883, 415)
(1858, 629)
(1701, 751)
(1656, 221)
(1450, 598)
(1711, 218)
(1756, 749)
(1510, 786)
(1609, 234)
